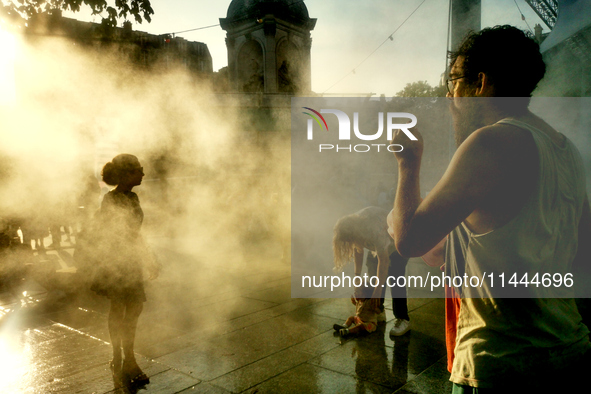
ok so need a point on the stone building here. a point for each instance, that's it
(144, 50)
(268, 45)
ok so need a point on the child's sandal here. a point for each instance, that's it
(134, 375)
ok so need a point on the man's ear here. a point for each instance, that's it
(484, 87)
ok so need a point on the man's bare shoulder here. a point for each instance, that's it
(492, 161)
(501, 138)
(494, 173)
(500, 148)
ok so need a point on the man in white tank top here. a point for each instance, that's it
(512, 200)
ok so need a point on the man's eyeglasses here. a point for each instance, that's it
(450, 85)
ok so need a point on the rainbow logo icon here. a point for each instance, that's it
(316, 117)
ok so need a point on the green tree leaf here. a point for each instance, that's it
(111, 10)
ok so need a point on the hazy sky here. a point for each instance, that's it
(346, 32)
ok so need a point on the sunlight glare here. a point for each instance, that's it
(7, 67)
(11, 366)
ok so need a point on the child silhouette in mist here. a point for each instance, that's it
(122, 255)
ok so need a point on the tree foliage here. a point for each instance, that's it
(111, 11)
(422, 89)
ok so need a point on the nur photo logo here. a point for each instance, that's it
(344, 130)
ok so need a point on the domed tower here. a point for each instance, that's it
(268, 45)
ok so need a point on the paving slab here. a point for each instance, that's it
(204, 388)
(170, 381)
(368, 361)
(242, 347)
(261, 370)
(433, 380)
(245, 336)
(307, 378)
(319, 344)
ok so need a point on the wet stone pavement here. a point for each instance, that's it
(207, 329)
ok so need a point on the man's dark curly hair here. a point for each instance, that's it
(510, 57)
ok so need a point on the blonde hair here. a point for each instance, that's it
(346, 237)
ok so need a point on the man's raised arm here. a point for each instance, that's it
(483, 164)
